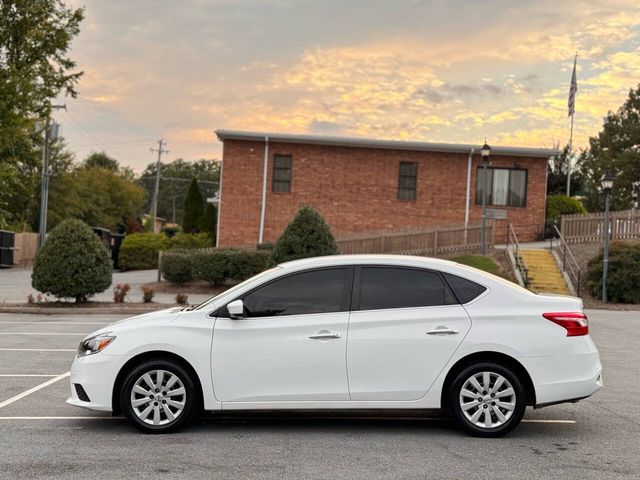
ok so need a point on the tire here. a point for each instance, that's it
(166, 406)
(484, 412)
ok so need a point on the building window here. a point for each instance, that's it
(506, 187)
(281, 173)
(407, 181)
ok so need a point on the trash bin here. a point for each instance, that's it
(105, 235)
(7, 244)
(116, 242)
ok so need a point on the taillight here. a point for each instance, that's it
(575, 322)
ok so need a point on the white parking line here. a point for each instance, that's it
(568, 422)
(34, 389)
(44, 333)
(56, 323)
(24, 375)
(38, 349)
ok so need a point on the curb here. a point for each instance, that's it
(99, 309)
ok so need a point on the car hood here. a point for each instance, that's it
(152, 318)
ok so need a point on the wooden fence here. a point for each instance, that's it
(589, 227)
(25, 248)
(423, 242)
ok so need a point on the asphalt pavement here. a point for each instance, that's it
(42, 437)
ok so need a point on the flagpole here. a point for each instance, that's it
(572, 92)
(569, 158)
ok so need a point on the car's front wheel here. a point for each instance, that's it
(158, 396)
(487, 399)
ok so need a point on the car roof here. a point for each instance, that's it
(330, 260)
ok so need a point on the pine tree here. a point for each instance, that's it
(193, 208)
(308, 235)
(209, 221)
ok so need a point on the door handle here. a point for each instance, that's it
(324, 335)
(442, 331)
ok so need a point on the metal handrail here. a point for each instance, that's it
(520, 265)
(571, 267)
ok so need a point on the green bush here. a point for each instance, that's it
(308, 235)
(72, 263)
(190, 240)
(139, 251)
(558, 205)
(211, 267)
(623, 275)
(177, 267)
(242, 264)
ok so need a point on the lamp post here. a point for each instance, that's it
(607, 185)
(485, 151)
(634, 196)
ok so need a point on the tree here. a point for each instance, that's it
(101, 160)
(72, 263)
(193, 208)
(616, 149)
(209, 221)
(35, 37)
(308, 235)
(558, 205)
(175, 181)
(557, 175)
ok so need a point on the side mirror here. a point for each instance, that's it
(236, 309)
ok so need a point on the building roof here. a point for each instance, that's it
(358, 142)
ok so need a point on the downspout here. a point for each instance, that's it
(219, 199)
(466, 210)
(263, 207)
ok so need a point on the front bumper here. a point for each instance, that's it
(96, 373)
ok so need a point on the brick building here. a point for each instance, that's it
(360, 185)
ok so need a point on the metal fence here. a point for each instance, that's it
(422, 242)
(589, 227)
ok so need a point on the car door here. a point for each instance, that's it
(404, 327)
(291, 345)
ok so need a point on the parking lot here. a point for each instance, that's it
(42, 437)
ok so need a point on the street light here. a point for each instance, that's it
(485, 152)
(607, 185)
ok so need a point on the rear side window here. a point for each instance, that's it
(318, 291)
(387, 287)
(464, 290)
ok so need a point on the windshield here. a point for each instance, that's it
(207, 303)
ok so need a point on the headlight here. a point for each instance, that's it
(95, 344)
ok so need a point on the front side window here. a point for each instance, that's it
(282, 173)
(317, 291)
(506, 187)
(390, 287)
(407, 180)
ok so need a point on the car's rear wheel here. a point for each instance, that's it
(158, 396)
(487, 399)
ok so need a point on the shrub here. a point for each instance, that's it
(190, 240)
(623, 275)
(177, 267)
(147, 294)
(120, 292)
(308, 235)
(562, 205)
(243, 264)
(182, 298)
(139, 251)
(211, 267)
(193, 208)
(209, 221)
(72, 263)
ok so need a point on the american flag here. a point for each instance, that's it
(573, 89)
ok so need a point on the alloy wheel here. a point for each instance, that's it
(487, 399)
(158, 397)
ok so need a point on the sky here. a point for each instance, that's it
(438, 70)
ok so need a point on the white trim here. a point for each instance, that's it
(263, 204)
(543, 153)
(34, 389)
(219, 199)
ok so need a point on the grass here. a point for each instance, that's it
(480, 262)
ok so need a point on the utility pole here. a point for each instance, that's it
(154, 204)
(50, 133)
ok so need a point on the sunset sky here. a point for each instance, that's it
(439, 70)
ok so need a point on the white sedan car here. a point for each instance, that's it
(346, 332)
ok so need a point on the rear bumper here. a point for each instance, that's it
(564, 378)
(96, 375)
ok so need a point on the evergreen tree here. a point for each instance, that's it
(193, 208)
(209, 221)
(308, 235)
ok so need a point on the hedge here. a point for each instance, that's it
(623, 275)
(558, 205)
(215, 267)
(139, 251)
